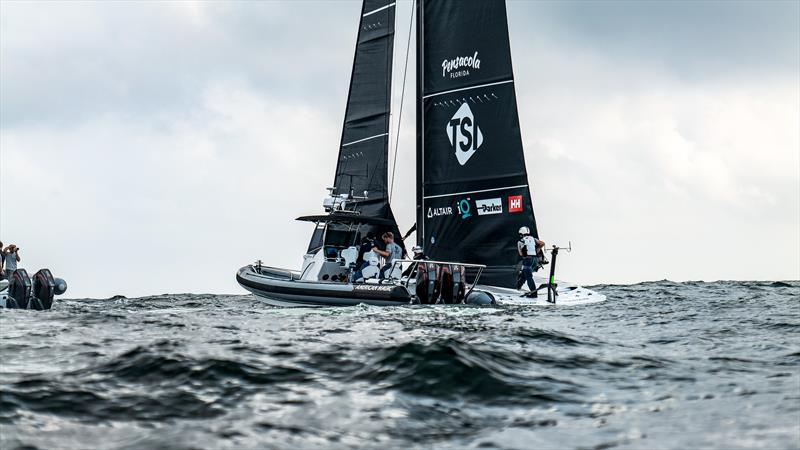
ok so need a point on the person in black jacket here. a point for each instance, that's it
(367, 244)
(419, 255)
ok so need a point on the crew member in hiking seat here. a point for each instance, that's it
(531, 251)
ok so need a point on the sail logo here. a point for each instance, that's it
(463, 208)
(514, 204)
(460, 66)
(441, 211)
(489, 206)
(464, 134)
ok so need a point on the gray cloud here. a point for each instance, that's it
(694, 40)
(64, 62)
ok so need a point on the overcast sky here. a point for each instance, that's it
(151, 148)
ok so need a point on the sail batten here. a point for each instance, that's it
(468, 88)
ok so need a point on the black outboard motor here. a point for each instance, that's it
(36, 293)
(446, 284)
(428, 287)
(459, 283)
(44, 289)
(452, 284)
(422, 283)
(434, 287)
(19, 289)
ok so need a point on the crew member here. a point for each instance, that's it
(11, 259)
(529, 248)
(418, 256)
(390, 252)
(367, 244)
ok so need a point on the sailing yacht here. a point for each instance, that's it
(472, 192)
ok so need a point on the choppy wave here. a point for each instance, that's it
(660, 365)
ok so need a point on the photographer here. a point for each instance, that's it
(11, 254)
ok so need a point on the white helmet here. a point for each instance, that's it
(417, 249)
(524, 230)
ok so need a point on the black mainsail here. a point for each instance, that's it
(363, 151)
(472, 185)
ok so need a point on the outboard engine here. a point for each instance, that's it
(422, 283)
(435, 281)
(452, 284)
(43, 289)
(427, 283)
(37, 293)
(446, 285)
(19, 289)
(459, 283)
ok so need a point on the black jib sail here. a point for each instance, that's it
(472, 185)
(362, 164)
(363, 151)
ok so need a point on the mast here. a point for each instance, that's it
(473, 192)
(420, 213)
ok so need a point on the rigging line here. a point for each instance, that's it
(393, 57)
(402, 97)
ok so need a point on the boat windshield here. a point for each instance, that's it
(341, 236)
(316, 238)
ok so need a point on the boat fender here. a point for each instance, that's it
(19, 288)
(61, 286)
(480, 298)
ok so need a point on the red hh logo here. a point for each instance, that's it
(514, 203)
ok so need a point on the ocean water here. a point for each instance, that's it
(660, 365)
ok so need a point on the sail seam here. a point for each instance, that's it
(477, 192)
(379, 9)
(467, 88)
(365, 139)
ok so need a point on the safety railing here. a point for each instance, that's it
(415, 263)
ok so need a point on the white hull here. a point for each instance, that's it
(568, 295)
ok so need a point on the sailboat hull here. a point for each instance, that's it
(568, 295)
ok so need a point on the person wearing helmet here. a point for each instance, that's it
(418, 255)
(530, 249)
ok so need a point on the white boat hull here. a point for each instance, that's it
(568, 295)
